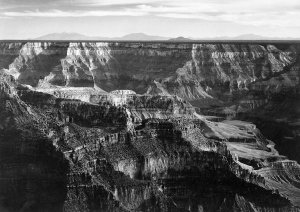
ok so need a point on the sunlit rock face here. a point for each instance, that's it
(113, 127)
(8, 53)
(86, 64)
(36, 61)
(191, 71)
(121, 97)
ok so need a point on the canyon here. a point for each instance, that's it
(149, 126)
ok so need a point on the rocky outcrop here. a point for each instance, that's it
(76, 111)
(143, 107)
(8, 52)
(36, 61)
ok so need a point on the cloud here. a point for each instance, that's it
(255, 12)
(59, 13)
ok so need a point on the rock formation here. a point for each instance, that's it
(147, 126)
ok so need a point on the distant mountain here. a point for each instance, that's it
(145, 37)
(248, 37)
(69, 36)
(141, 36)
(180, 39)
(77, 36)
(251, 37)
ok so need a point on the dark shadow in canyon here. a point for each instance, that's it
(33, 174)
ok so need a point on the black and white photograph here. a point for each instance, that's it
(149, 106)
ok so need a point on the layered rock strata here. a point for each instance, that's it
(160, 164)
(112, 125)
(191, 71)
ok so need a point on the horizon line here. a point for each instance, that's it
(161, 41)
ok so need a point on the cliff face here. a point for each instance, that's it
(191, 71)
(9, 51)
(36, 61)
(33, 173)
(243, 77)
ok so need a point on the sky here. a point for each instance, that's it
(24, 19)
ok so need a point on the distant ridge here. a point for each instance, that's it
(68, 36)
(180, 39)
(141, 36)
(248, 37)
(145, 37)
(77, 36)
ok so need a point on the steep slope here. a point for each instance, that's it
(36, 61)
(33, 173)
(38, 172)
(191, 71)
(8, 52)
